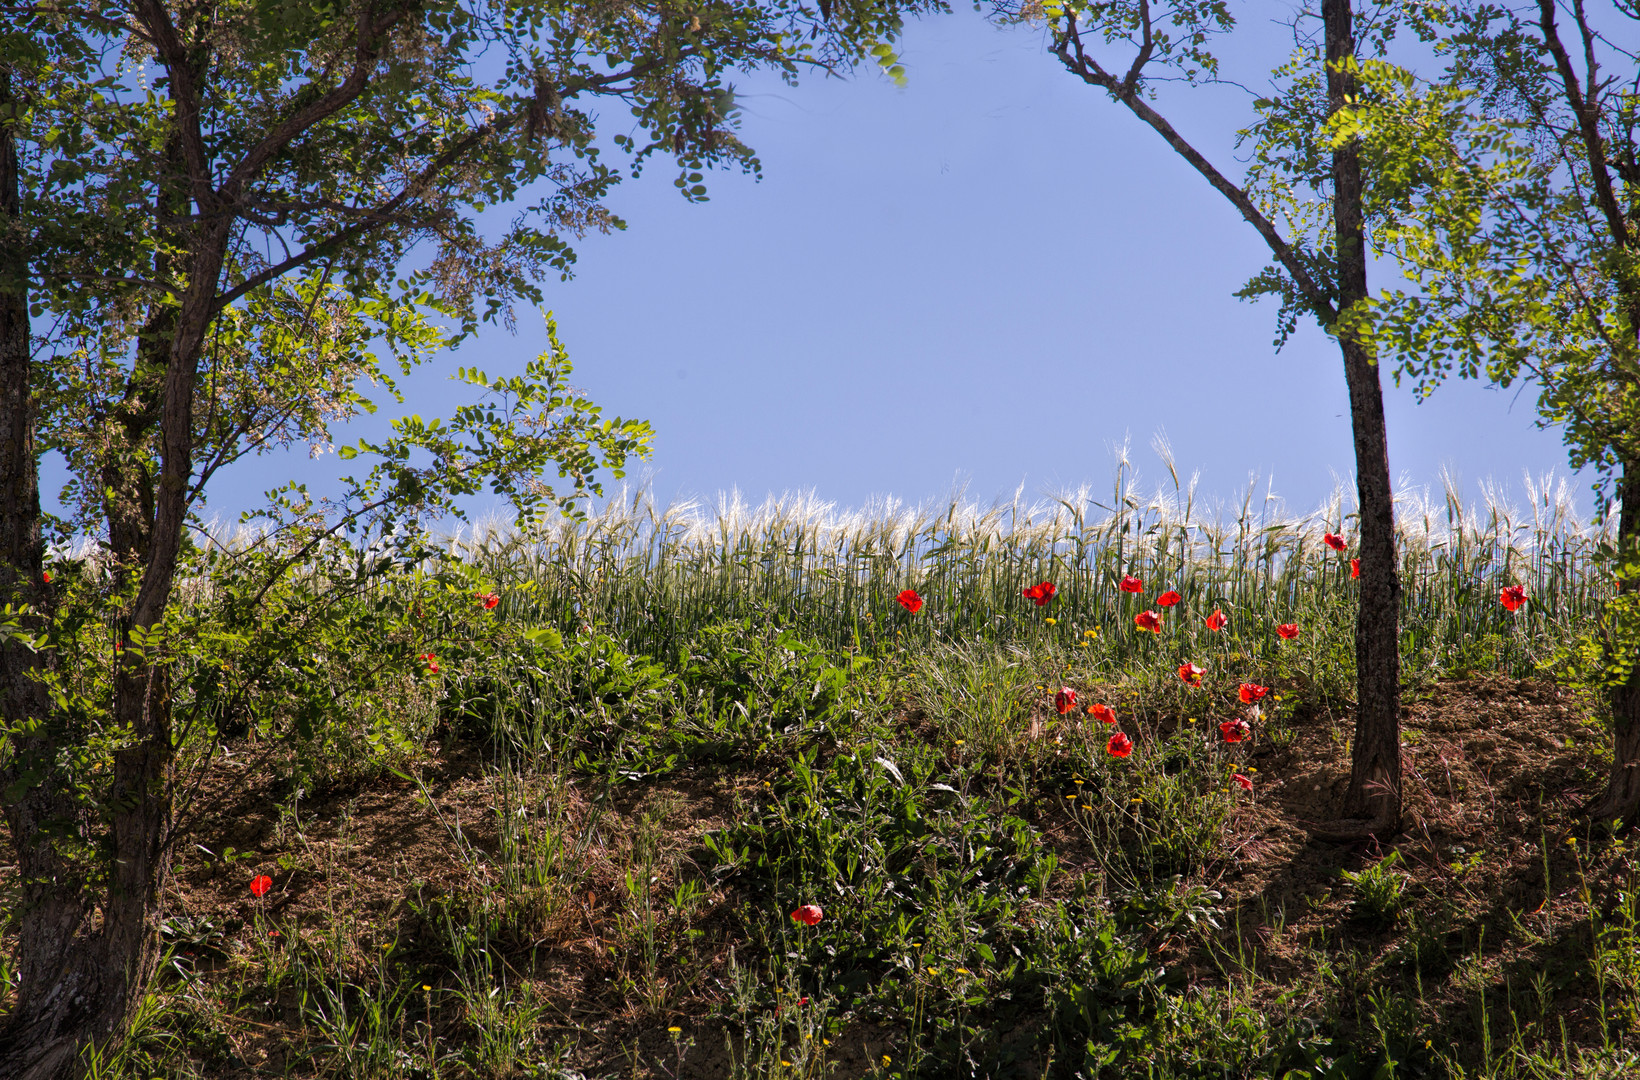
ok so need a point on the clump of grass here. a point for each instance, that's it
(1380, 890)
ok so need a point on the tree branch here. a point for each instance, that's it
(1089, 71)
(184, 96)
(375, 219)
(1130, 81)
(1587, 122)
(365, 55)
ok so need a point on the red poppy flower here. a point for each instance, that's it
(1065, 700)
(1149, 620)
(1287, 631)
(1102, 713)
(1355, 568)
(1216, 621)
(431, 660)
(910, 601)
(1235, 730)
(1042, 592)
(809, 914)
(260, 884)
(489, 600)
(1251, 692)
(1168, 599)
(1334, 541)
(1131, 584)
(1119, 745)
(1191, 674)
(1245, 783)
(1512, 597)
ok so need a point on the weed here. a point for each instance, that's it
(1379, 888)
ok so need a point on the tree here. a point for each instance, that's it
(229, 216)
(1322, 275)
(1520, 230)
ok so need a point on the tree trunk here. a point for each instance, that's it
(1621, 799)
(1372, 804)
(51, 907)
(80, 979)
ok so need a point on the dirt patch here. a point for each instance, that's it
(1494, 772)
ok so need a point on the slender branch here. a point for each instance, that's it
(367, 51)
(1130, 81)
(380, 216)
(184, 96)
(78, 12)
(1090, 72)
(1587, 122)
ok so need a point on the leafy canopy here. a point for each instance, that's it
(311, 195)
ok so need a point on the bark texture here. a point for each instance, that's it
(1621, 799)
(80, 978)
(1372, 803)
(53, 968)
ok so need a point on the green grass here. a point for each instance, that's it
(651, 576)
(574, 849)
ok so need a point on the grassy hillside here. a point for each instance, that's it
(565, 834)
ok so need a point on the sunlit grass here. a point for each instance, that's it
(648, 574)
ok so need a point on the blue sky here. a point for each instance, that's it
(989, 277)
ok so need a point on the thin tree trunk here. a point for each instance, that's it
(79, 982)
(38, 1038)
(1372, 803)
(1621, 799)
